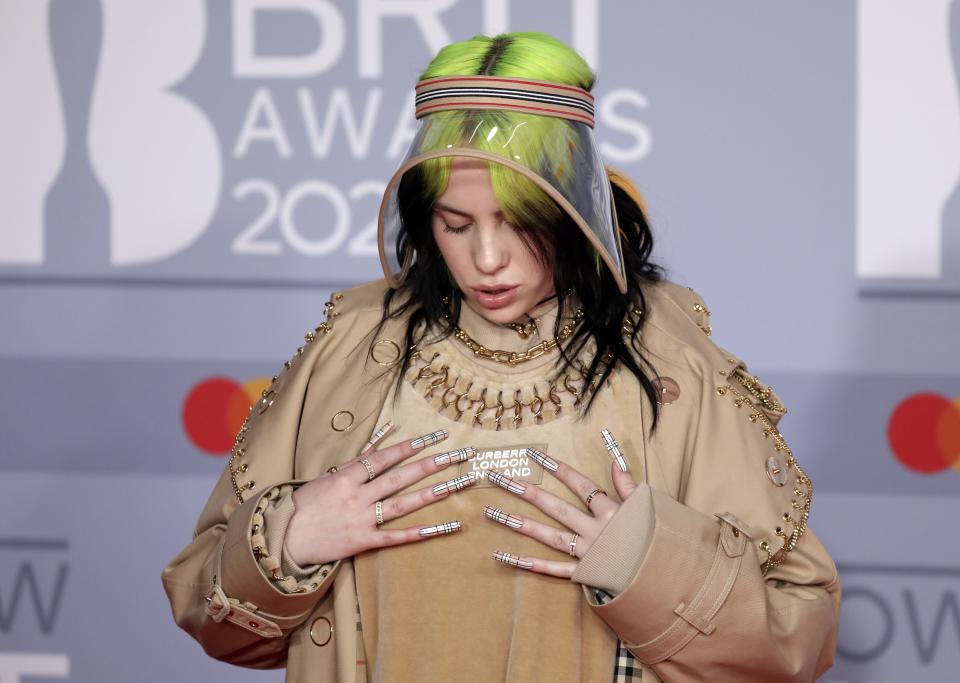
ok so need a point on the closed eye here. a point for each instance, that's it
(456, 229)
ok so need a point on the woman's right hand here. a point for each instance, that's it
(335, 514)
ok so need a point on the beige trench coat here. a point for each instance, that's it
(732, 586)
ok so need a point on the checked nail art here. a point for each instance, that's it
(505, 482)
(505, 518)
(459, 455)
(429, 439)
(512, 560)
(461, 482)
(378, 435)
(445, 528)
(542, 459)
(614, 449)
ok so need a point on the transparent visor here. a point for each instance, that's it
(552, 156)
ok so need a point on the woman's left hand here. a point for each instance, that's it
(580, 525)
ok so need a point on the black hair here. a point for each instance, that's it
(614, 321)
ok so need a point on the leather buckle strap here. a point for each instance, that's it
(221, 608)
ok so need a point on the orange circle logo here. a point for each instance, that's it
(924, 433)
(214, 409)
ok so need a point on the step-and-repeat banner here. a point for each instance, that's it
(183, 183)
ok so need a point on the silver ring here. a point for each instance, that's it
(371, 473)
(591, 495)
(573, 545)
(378, 511)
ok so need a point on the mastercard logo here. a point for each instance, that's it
(924, 433)
(215, 408)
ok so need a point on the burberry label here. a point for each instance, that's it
(513, 461)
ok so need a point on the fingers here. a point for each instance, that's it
(391, 537)
(619, 470)
(377, 462)
(398, 506)
(399, 478)
(558, 509)
(622, 481)
(563, 570)
(378, 436)
(558, 539)
(583, 488)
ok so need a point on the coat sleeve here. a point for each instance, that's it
(725, 581)
(224, 588)
(221, 595)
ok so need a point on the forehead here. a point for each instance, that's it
(469, 188)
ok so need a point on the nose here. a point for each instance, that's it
(491, 252)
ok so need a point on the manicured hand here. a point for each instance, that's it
(336, 514)
(578, 526)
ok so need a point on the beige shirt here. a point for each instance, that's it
(449, 593)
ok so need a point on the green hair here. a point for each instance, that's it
(549, 140)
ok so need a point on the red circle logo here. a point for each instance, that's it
(215, 408)
(924, 433)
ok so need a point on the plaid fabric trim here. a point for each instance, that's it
(625, 666)
(495, 92)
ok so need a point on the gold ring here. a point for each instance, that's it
(573, 545)
(592, 494)
(392, 349)
(378, 511)
(371, 473)
(342, 425)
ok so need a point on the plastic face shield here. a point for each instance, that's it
(556, 152)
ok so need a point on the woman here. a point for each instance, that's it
(549, 405)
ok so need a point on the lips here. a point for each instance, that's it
(495, 296)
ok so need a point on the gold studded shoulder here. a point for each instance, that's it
(762, 408)
(762, 394)
(269, 396)
(368, 298)
(701, 314)
(679, 312)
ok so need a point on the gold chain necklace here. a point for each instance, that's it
(512, 358)
(524, 329)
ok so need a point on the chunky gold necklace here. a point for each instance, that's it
(524, 329)
(513, 358)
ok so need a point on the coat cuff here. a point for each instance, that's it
(693, 561)
(614, 559)
(242, 577)
(275, 561)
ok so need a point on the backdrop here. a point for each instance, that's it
(183, 183)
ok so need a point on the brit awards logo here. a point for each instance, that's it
(233, 141)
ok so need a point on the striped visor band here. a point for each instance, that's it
(542, 132)
(492, 92)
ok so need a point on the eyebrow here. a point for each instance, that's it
(449, 209)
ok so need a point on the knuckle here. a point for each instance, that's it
(396, 537)
(341, 486)
(393, 507)
(557, 541)
(395, 480)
